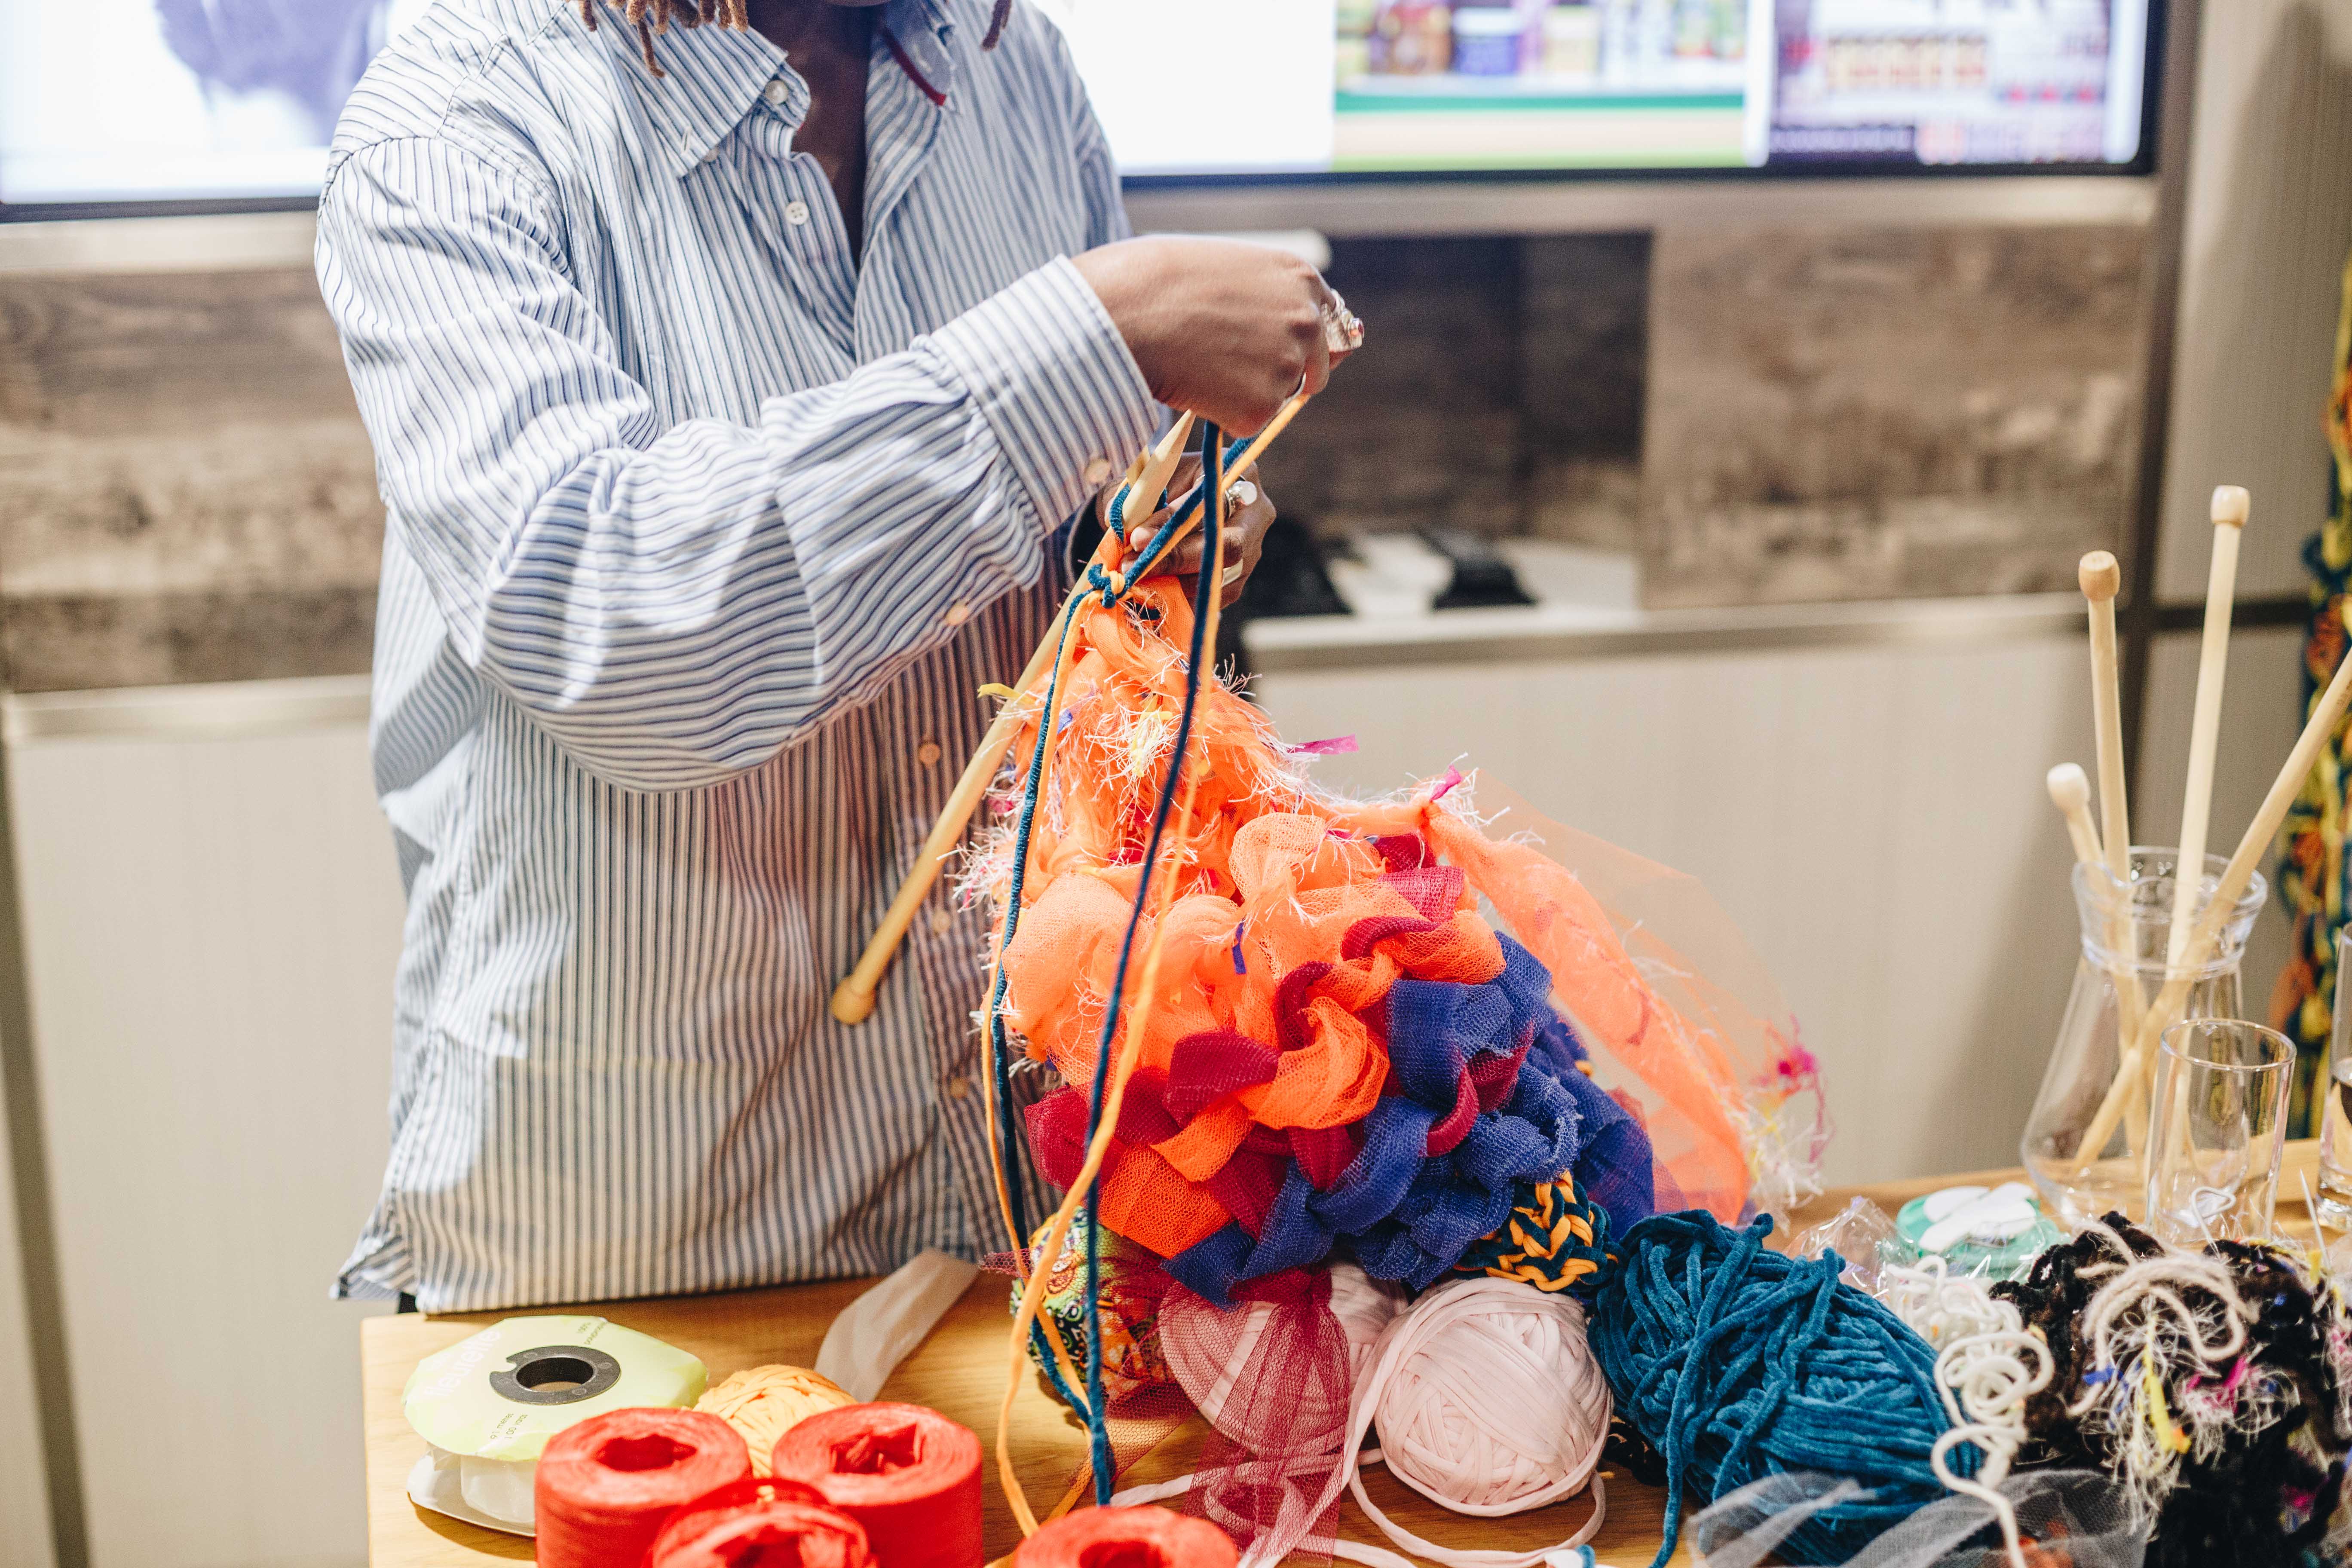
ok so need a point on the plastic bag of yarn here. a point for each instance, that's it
(1863, 1236)
(2066, 1519)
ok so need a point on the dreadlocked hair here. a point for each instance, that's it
(652, 18)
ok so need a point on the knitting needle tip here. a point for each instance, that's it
(2070, 788)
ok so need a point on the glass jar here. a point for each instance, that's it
(2119, 1008)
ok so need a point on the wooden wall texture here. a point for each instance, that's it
(186, 493)
(185, 490)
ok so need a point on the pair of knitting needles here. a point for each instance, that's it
(2194, 929)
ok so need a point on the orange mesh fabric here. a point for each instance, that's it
(1296, 915)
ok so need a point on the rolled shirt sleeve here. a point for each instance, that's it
(675, 602)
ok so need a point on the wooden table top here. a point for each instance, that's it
(959, 1371)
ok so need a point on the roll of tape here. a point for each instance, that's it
(487, 1405)
(1994, 1232)
(908, 1474)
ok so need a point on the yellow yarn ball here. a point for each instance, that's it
(763, 1403)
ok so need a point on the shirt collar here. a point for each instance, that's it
(926, 30)
(712, 78)
(714, 75)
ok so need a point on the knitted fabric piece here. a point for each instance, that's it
(1551, 1240)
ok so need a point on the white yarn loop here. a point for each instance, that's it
(1939, 1305)
(1987, 1366)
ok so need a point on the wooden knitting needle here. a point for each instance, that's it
(2231, 505)
(1148, 477)
(853, 999)
(2070, 792)
(2260, 833)
(2101, 578)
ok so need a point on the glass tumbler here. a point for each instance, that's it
(2219, 1130)
(2086, 1138)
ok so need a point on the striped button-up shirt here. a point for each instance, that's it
(703, 532)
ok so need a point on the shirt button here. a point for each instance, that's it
(796, 213)
(928, 753)
(958, 614)
(942, 920)
(959, 1088)
(1099, 472)
(777, 92)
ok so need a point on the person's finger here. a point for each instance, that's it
(1318, 365)
(1248, 514)
(1329, 310)
(1179, 484)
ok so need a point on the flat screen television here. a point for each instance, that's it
(166, 105)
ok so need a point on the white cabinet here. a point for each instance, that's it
(24, 1496)
(213, 919)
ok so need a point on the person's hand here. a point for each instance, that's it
(1249, 513)
(1218, 328)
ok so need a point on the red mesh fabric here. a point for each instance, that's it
(1273, 1381)
(1144, 1199)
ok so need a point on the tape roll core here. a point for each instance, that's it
(556, 1374)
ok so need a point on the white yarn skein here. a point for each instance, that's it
(1365, 1308)
(1489, 1403)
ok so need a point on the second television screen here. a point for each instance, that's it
(233, 100)
(1421, 86)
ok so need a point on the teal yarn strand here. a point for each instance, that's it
(1735, 1363)
(1206, 588)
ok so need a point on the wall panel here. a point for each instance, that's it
(213, 927)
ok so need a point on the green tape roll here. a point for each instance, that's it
(1997, 1248)
(502, 1394)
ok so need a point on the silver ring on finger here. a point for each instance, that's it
(1232, 575)
(1241, 493)
(1342, 332)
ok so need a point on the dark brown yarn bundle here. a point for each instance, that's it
(653, 17)
(2266, 1497)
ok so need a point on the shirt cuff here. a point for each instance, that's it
(1053, 378)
